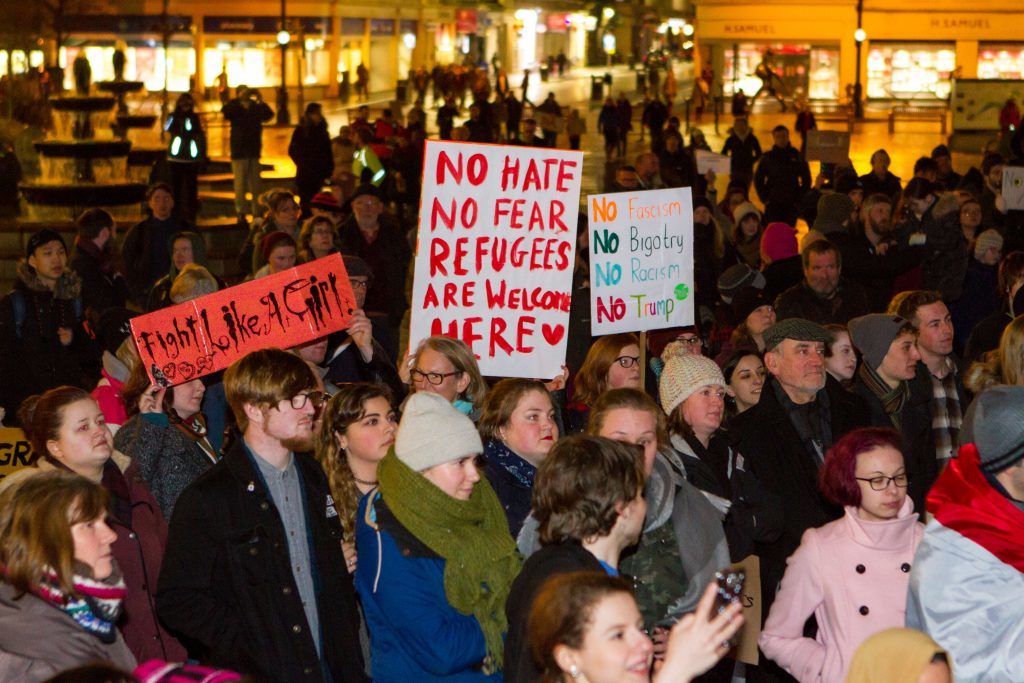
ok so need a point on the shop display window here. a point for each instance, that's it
(910, 71)
(258, 64)
(144, 61)
(1001, 61)
(809, 70)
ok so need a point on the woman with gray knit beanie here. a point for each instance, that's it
(436, 560)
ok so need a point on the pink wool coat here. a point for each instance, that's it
(853, 576)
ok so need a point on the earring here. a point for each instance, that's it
(574, 672)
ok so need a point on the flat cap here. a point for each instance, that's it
(797, 329)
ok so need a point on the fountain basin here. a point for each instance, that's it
(142, 156)
(119, 87)
(81, 195)
(83, 149)
(82, 103)
(136, 120)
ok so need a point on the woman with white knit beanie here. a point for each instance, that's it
(692, 392)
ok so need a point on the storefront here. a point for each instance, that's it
(246, 48)
(807, 70)
(140, 37)
(811, 49)
(910, 52)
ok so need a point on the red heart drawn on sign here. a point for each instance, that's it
(552, 333)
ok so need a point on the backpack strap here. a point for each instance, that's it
(18, 304)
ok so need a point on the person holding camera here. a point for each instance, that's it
(247, 113)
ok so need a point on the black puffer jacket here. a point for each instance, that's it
(32, 359)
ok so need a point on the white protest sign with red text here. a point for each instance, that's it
(495, 253)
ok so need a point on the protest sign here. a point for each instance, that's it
(746, 639)
(1013, 187)
(15, 451)
(198, 337)
(495, 253)
(641, 260)
(828, 146)
(709, 161)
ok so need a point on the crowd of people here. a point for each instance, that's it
(845, 407)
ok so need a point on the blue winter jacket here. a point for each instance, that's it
(415, 635)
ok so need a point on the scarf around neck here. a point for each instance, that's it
(471, 536)
(892, 400)
(95, 605)
(103, 258)
(496, 451)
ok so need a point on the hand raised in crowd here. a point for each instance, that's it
(405, 367)
(710, 177)
(361, 330)
(699, 640)
(559, 381)
(152, 399)
(65, 335)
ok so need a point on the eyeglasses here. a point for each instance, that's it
(359, 284)
(317, 398)
(692, 341)
(435, 378)
(627, 361)
(882, 483)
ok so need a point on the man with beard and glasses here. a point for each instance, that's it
(824, 296)
(871, 255)
(253, 578)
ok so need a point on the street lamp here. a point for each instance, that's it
(283, 38)
(859, 36)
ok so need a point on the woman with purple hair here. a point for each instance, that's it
(852, 574)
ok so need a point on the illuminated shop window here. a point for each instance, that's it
(910, 71)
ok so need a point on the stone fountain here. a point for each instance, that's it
(83, 164)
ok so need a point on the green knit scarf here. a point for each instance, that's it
(472, 536)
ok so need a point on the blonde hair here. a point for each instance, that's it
(1004, 365)
(192, 282)
(462, 358)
